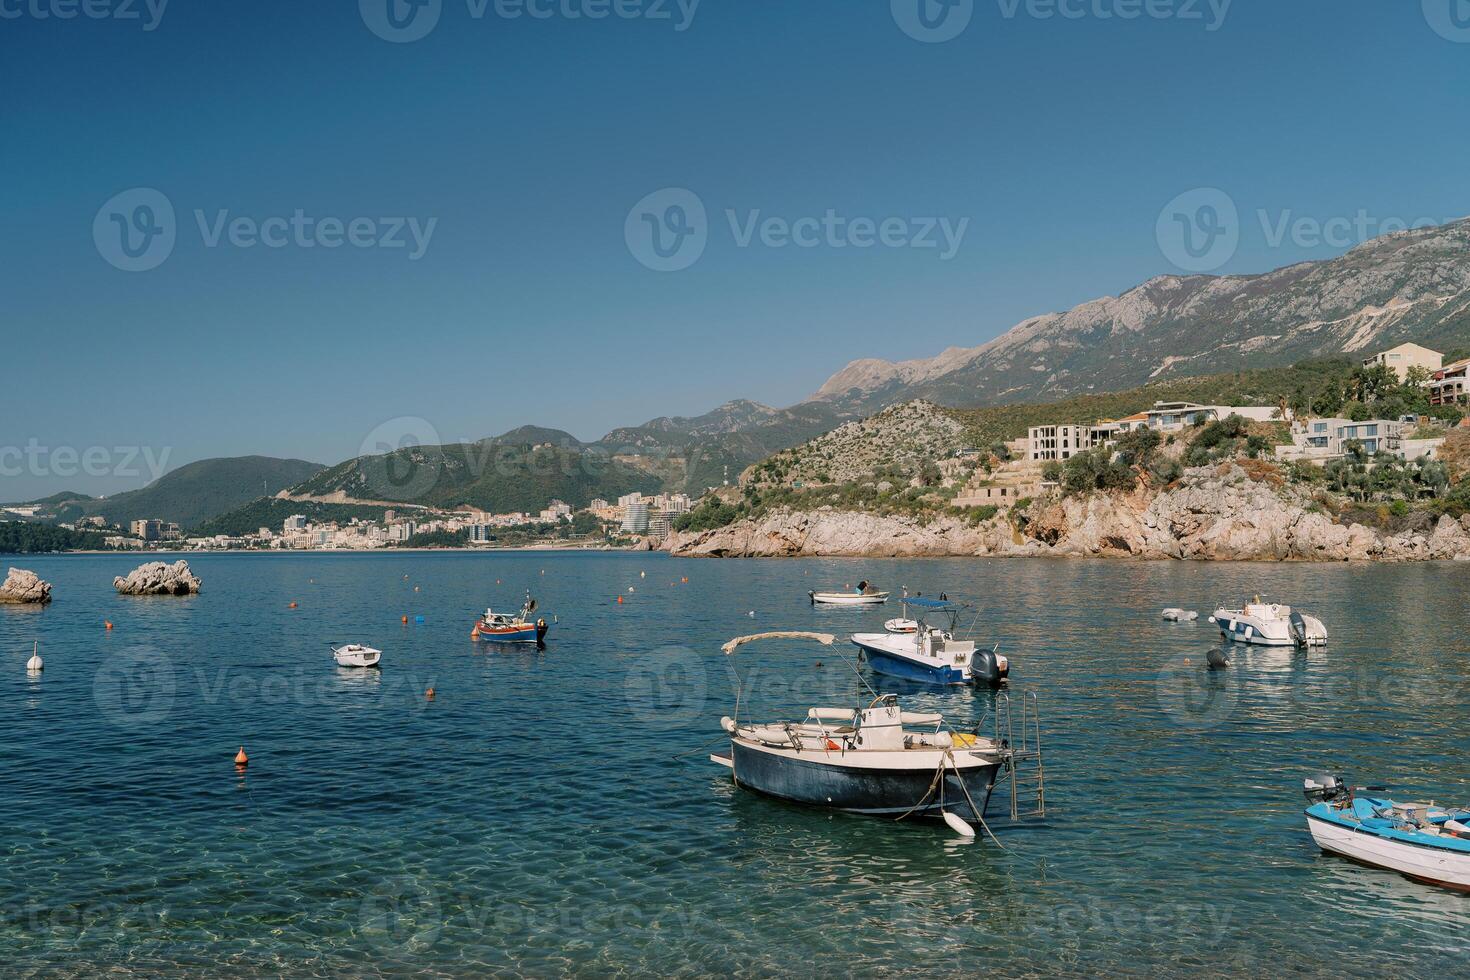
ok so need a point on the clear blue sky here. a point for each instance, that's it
(529, 140)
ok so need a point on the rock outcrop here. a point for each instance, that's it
(1212, 513)
(22, 586)
(159, 578)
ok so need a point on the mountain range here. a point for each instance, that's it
(1414, 285)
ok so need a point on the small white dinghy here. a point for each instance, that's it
(356, 655)
(1180, 615)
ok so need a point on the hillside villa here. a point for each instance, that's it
(1406, 356)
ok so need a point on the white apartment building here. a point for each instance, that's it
(1058, 442)
(1405, 356)
(636, 519)
(1319, 440)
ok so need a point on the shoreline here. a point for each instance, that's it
(184, 553)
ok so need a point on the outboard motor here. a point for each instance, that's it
(989, 667)
(1324, 788)
(1298, 629)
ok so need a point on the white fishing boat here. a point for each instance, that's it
(1270, 624)
(1423, 841)
(874, 759)
(864, 595)
(356, 655)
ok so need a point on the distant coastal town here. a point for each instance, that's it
(630, 520)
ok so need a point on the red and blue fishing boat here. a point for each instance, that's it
(512, 627)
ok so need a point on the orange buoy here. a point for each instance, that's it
(291, 606)
(620, 600)
(429, 694)
(241, 759)
(107, 623)
(684, 579)
(405, 620)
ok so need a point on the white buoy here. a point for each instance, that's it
(35, 664)
(643, 575)
(751, 614)
(958, 825)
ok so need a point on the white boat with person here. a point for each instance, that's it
(864, 595)
(871, 758)
(1270, 624)
(356, 655)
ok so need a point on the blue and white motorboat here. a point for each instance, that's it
(929, 654)
(1422, 841)
(876, 759)
(1270, 624)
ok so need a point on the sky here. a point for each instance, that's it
(299, 229)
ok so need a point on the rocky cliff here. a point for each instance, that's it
(1217, 512)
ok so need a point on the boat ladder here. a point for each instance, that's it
(1023, 765)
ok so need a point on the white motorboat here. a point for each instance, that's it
(864, 595)
(1422, 841)
(356, 655)
(931, 655)
(877, 759)
(1270, 624)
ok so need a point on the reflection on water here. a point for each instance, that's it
(555, 811)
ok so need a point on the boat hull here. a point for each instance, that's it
(863, 789)
(527, 633)
(1431, 865)
(893, 664)
(848, 598)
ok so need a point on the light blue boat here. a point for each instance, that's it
(1423, 841)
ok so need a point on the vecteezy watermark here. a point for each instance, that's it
(1194, 696)
(34, 459)
(136, 230)
(1200, 230)
(394, 461)
(409, 914)
(1449, 18)
(148, 13)
(932, 21)
(1209, 13)
(668, 231)
(142, 687)
(937, 21)
(405, 21)
(136, 688)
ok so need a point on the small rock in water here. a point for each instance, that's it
(159, 578)
(22, 586)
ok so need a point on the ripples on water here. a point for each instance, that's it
(556, 812)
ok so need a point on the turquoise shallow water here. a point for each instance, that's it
(554, 812)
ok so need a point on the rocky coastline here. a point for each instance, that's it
(1218, 513)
